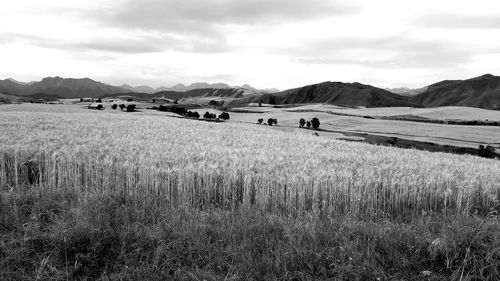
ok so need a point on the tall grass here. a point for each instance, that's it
(189, 163)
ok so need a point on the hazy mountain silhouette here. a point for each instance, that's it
(405, 91)
(71, 88)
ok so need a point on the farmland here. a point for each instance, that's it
(235, 200)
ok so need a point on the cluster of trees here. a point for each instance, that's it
(130, 107)
(178, 110)
(314, 123)
(209, 115)
(223, 115)
(486, 151)
(193, 114)
(270, 121)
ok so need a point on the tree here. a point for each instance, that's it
(308, 124)
(486, 152)
(81, 99)
(196, 114)
(275, 121)
(260, 120)
(154, 100)
(176, 102)
(260, 104)
(302, 122)
(130, 107)
(224, 116)
(114, 106)
(130, 99)
(99, 100)
(315, 123)
(207, 115)
(122, 106)
(270, 121)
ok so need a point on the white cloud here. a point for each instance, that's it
(266, 43)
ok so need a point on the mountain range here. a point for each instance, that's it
(195, 86)
(482, 91)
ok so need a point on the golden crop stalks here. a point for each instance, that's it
(202, 165)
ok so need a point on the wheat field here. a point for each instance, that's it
(202, 165)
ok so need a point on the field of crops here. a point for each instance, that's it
(110, 195)
(189, 162)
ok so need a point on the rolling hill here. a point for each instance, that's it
(350, 94)
(482, 92)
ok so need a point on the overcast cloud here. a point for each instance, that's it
(265, 43)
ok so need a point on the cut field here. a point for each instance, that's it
(454, 135)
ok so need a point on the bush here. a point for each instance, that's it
(193, 114)
(130, 107)
(486, 151)
(179, 110)
(302, 122)
(315, 123)
(209, 115)
(224, 116)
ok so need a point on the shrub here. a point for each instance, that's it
(315, 123)
(209, 115)
(224, 116)
(130, 107)
(260, 120)
(486, 151)
(302, 122)
(179, 110)
(193, 114)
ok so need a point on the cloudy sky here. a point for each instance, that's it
(265, 43)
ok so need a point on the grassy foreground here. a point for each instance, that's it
(62, 234)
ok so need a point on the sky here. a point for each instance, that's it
(265, 43)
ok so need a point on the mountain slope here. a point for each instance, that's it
(351, 94)
(71, 88)
(482, 91)
(11, 86)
